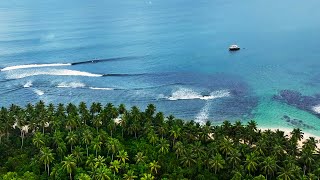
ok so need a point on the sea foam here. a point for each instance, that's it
(27, 66)
(187, 94)
(28, 84)
(316, 109)
(100, 88)
(52, 72)
(38, 92)
(71, 85)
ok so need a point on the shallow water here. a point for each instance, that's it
(170, 53)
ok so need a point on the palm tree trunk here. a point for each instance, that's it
(22, 138)
(42, 129)
(70, 176)
(87, 150)
(48, 169)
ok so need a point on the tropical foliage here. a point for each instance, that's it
(108, 142)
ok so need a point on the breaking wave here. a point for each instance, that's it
(99, 88)
(316, 109)
(33, 66)
(52, 72)
(187, 94)
(38, 92)
(29, 66)
(203, 116)
(28, 84)
(71, 85)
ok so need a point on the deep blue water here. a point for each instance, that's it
(170, 53)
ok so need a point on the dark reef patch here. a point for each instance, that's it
(297, 123)
(296, 99)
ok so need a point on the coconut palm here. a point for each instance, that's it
(38, 140)
(154, 167)
(129, 175)
(179, 149)
(147, 177)
(96, 145)
(115, 165)
(87, 138)
(163, 146)
(251, 162)
(72, 139)
(269, 166)
(69, 164)
(140, 158)
(217, 163)
(123, 156)
(46, 157)
(103, 173)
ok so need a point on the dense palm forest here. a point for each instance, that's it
(107, 142)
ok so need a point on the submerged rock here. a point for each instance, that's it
(296, 99)
(297, 123)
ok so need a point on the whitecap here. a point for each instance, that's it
(203, 116)
(100, 88)
(27, 66)
(38, 92)
(187, 94)
(71, 85)
(316, 109)
(28, 84)
(52, 72)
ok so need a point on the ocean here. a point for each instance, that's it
(173, 54)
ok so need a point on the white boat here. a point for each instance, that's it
(234, 48)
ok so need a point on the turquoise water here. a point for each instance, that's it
(170, 53)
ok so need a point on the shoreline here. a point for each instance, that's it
(287, 132)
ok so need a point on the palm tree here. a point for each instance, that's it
(269, 166)
(163, 146)
(61, 149)
(187, 159)
(217, 163)
(115, 165)
(72, 139)
(147, 177)
(140, 158)
(99, 161)
(234, 158)
(103, 173)
(46, 156)
(297, 134)
(96, 145)
(154, 166)
(226, 147)
(307, 159)
(90, 162)
(251, 162)
(113, 146)
(175, 133)
(153, 138)
(69, 164)
(129, 175)
(77, 153)
(122, 109)
(179, 149)
(87, 138)
(38, 140)
(123, 156)
(286, 173)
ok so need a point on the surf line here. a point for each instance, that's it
(27, 66)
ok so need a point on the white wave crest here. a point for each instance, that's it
(97, 88)
(52, 72)
(186, 94)
(203, 116)
(71, 85)
(38, 92)
(316, 109)
(27, 66)
(28, 84)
